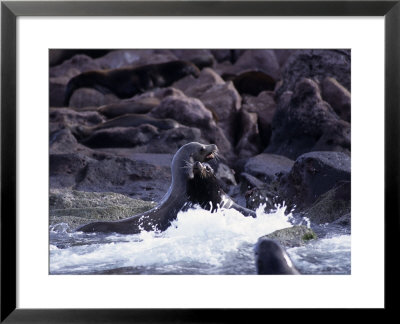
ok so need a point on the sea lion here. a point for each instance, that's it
(127, 82)
(203, 189)
(271, 258)
(160, 217)
(127, 120)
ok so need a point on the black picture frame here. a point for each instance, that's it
(10, 10)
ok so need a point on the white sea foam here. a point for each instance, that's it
(196, 238)
(321, 256)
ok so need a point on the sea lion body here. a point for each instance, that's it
(204, 190)
(271, 258)
(161, 216)
(127, 82)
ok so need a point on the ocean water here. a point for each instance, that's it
(197, 242)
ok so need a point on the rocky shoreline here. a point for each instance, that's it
(280, 118)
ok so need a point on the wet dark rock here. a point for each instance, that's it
(62, 140)
(264, 106)
(282, 55)
(222, 55)
(293, 236)
(303, 122)
(265, 166)
(126, 121)
(225, 174)
(121, 136)
(185, 110)
(338, 97)
(57, 87)
(249, 141)
(248, 182)
(65, 168)
(85, 97)
(77, 207)
(200, 57)
(136, 178)
(68, 117)
(332, 206)
(192, 112)
(195, 87)
(133, 106)
(253, 82)
(266, 195)
(58, 56)
(171, 140)
(344, 220)
(132, 58)
(227, 55)
(224, 101)
(312, 175)
(257, 60)
(74, 66)
(316, 65)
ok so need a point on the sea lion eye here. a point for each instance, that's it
(202, 149)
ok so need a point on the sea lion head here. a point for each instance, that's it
(188, 154)
(203, 188)
(202, 152)
(271, 258)
(202, 170)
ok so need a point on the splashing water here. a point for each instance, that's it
(197, 242)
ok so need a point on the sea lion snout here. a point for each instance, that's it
(210, 152)
(197, 165)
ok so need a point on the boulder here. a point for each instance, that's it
(58, 56)
(136, 57)
(247, 182)
(66, 168)
(265, 166)
(75, 65)
(200, 57)
(338, 97)
(185, 110)
(135, 178)
(131, 106)
(282, 55)
(249, 141)
(85, 97)
(312, 175)
(333, 206)
(224, 101)
(264, 106)
(68, 117)
(316, 65)
(265, 195)
(257, 60)
(57, 88)
(192, 112)
(252, 82)
(195, 87)
(293, 236)
(62, 140)
(222, 55)
(303, 122)
(77, 207)
(121, 136)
